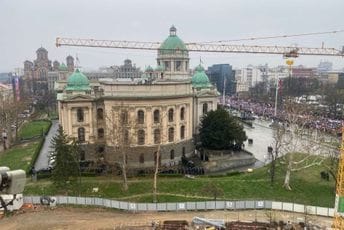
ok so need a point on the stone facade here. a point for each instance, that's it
(159, 112)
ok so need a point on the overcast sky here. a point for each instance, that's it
(25, 25)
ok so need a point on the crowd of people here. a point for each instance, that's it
(267, 111)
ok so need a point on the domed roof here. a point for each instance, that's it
(63, 67)
(149, 69)
(41, 49)
(200, 78)
(78, 82)
(173, 42)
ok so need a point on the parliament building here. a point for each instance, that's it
(137, 118)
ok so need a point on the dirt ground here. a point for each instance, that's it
(99, 218)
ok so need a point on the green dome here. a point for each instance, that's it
(149, 69)
(200, 78)
(63, 67)
(173, 42)
(78, 82)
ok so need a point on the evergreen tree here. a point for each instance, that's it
(66, 168)
(219, 130)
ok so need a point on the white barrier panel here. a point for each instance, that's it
(161, 206)
(276, 205)
(311, 210)
(107, 203)
(191, 206)
(181, 206)
(299, 208)
(287, 207)
(331, 212)
(230, 205)
(81, 200)
(210, 205)
(322, 211)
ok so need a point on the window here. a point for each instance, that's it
(156, 136)
(100, 149)
(124, 117)
(141, 137)
(156, 116)
(142, 158)
(182, 114)
(205, 108)
(178, 65)
(182, 132)
(100, 114)
(170, 115)
(140, 117)
(100, 133)
(126, 136)
(82, 155)
(171, 134)
(81, 134)
(80, 115)
(172, 154)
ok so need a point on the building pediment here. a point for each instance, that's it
(79, 97)
(207, 93)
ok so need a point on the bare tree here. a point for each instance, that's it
(121, 133)
(11, 117)
(297, 145)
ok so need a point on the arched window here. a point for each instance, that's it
(172, 154)
(142, 158)
(171, 134)
(156, 116)
(80, 115)
(81, 134)
(141, 137)
(100, 114)
(124, 117)
(182, 114)
(100, 133)
(100, 149)
(140, 117)
(156, 136)
(182, 132)
(205, 108)
(170, 115)
(126, 137)
(82, 155)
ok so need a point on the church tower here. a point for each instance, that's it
(70, 63)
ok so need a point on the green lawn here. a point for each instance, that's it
(34, 128)
(19, 156)
(307, 186)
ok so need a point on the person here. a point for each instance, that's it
(33, 173)
(4, 138)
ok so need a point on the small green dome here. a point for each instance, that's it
(78, 82)
(149, 69)
(63, 67)
(200, 78)
(173, 42)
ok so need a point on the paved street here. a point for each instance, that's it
(42, 160)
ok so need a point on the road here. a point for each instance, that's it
(43, 158)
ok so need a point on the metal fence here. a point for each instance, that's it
(184, 206)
